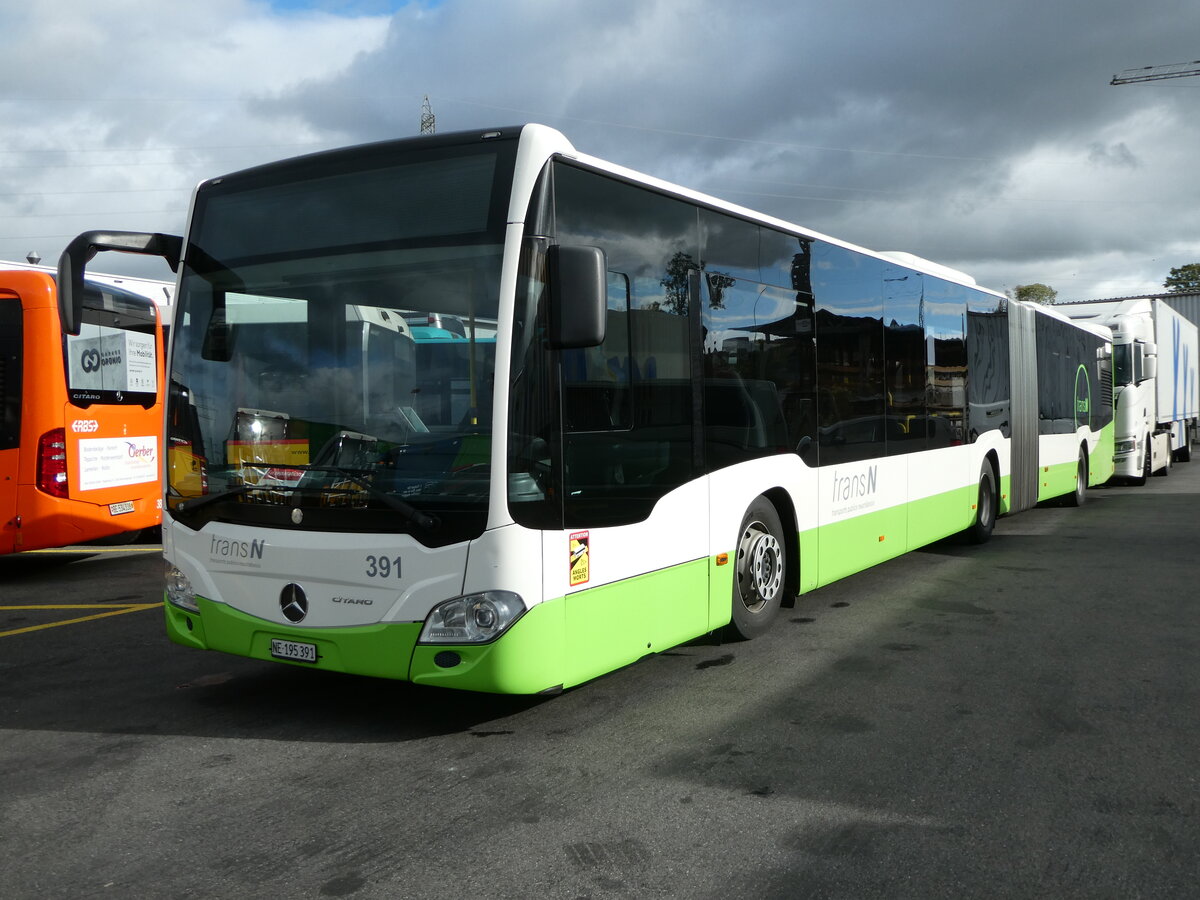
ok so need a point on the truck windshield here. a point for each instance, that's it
(334, 344)
(1122, 364)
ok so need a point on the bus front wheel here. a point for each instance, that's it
(760, 571)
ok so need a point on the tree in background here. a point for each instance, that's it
(1184, 279)
(1034, 293)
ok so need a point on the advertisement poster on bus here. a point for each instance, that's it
(104, 359)
(116, 462)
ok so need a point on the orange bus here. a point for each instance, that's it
(80, 415)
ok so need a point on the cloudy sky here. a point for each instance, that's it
(982, 136)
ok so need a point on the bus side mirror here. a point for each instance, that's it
(578, 278)
(75, 257)
(218, 336)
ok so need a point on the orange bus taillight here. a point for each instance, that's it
(52, 463)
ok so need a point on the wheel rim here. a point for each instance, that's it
(985, 504)
(760, 567)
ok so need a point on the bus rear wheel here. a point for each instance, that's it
(760, 571)
(986, 508)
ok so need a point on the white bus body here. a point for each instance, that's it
(622, 414)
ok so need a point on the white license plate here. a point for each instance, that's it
(116, 509)
(294, 651)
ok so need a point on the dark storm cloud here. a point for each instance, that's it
(985, 136)
(980, 135)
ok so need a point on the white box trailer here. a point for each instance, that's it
(1177, 380)
(1156, 389)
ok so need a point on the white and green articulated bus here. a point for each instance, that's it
(478, 410)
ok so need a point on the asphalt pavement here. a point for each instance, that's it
(1020, 719)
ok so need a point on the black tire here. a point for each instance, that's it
(1079, 496)
(1185, 452)
(980, 531)
(760, 571)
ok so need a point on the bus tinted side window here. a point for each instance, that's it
(598, 381)
(627, 405)
(1071, 394)
(947, 372)
(756, 307)
(850, 362)
(11, 361)
(989, 396)
(907, 427)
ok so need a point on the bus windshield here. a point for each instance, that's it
(335, 344)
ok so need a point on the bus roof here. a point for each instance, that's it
(161, 292)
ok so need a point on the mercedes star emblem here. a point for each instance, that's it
(293, 602)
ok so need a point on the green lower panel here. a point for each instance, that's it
(1100, 463)
(527, 659)
(720, 591)
(382, 651)
(616, 624)
(867, 540)
(1057, 480)
(1005, 495)
(937, 517)
(559, 643)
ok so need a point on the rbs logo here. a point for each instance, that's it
(85, 426)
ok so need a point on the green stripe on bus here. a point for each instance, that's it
(381, 650)
(1057, 480)
(843, 548)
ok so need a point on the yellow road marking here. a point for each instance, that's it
(110, 611)
(76, 551)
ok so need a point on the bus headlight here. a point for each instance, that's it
(1125, 446)
(472, 619)
(179, 590)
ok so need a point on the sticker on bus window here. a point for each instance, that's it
(580, 561)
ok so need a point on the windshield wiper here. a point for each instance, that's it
(406, 509)
(194, 503)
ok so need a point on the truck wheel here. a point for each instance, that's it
(980, 530)
(1081, 481)
(760, 571)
